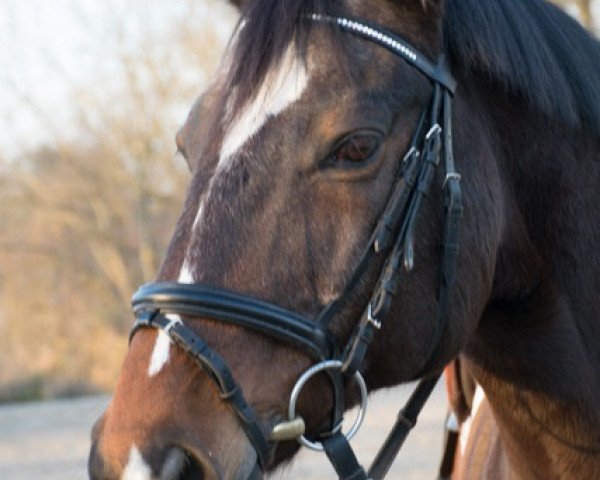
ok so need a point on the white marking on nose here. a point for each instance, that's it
(162, 349)
(136, 468)
(282, 86)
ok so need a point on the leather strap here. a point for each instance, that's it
(450, 446)
(386, 231)
(218, 371)
(379, 244)
(342, 458)
(452, 214)
(229, 307)
(420, 176)
(395, 44)
(153, 301)
(407, 419)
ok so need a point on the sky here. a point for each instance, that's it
(42, 42)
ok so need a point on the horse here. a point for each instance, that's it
(454, 145)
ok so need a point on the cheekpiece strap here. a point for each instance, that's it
(342, 458)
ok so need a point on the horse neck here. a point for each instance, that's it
(551, 177)
(536, 351)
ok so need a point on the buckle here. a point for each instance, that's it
(451, 176)
(172, 322)
(373, 321)
(436, 129)
(305, 377)
(411, 151)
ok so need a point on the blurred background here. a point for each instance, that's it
(91, 96)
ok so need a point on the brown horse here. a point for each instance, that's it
(294, 151)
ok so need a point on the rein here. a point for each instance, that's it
(392, 242)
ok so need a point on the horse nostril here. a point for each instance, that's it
(193, 470)
(175, 464)
(196, 466)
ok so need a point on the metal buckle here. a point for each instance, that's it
(433, 130)
(289, 430)
(373, 321)
(451, 176)
(305, 377)
(409, 153)
(172, 322)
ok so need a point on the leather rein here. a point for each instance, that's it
(392, 242)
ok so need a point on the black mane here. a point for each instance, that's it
(530, 48)
(265, 30)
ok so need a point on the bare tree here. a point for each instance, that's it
(85, 219)
(584, 10)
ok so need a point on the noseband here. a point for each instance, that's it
(392, 243)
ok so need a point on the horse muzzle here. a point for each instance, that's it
(173, 464)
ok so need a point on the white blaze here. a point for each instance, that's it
(136, 468)
(162, 349)
(283, 85)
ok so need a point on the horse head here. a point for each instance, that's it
(311, 133)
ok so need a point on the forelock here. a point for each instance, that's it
(264, 33)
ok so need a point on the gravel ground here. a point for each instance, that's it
(50, 440)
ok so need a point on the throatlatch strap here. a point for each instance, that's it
(342, 458)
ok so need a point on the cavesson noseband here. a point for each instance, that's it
(392, 242)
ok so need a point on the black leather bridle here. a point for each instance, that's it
(392, 242)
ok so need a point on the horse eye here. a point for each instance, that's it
(355, 149)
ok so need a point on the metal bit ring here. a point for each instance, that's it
(305, 377)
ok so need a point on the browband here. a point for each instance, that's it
(377, 34)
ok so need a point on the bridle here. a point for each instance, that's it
(392, 242)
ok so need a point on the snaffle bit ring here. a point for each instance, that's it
(305, 377)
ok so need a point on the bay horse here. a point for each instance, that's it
(320, 239)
